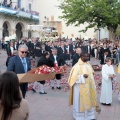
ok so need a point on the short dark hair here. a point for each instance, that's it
(83, 54)
(45, 53)
(54, 49)
(104, 43)
(10, 96)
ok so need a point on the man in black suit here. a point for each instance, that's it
(77, 43)
(57, 44)
(20, 64)
(58, 61)
(69, 48)
(104, 53)
(61, 51)
(37, 52)
(87, 49)
(49, 47)
(16, 45)
(31, 46)
(76, 56)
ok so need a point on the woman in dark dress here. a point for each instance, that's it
(44, 60)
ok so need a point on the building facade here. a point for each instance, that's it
(49, 18)
(15, 16)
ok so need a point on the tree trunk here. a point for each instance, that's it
(112, 31)
(111, 34)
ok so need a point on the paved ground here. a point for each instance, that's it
(54, 105)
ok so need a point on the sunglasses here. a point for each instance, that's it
(23, 52)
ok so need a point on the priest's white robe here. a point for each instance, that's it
(106, 88)
(87, 115)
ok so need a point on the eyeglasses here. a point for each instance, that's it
(23, 52)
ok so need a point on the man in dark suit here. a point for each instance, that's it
(77, 43)
(76, 56)
(87, 49)
(61, 51)
(69, 48)
(15, 45)
(49, 47)
(104, 53)
(20, 64)
(58, 61)
(37, 52)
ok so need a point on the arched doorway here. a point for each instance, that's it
(19, 29)
(5, 29)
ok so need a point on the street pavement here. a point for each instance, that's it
(54, 105)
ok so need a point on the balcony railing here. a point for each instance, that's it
(19, 13)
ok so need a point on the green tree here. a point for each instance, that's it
(98, 13)
(117, 34)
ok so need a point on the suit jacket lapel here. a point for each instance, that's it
(27, 63)
(20, 63)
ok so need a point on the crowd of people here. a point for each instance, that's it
(99, 50)
(66, 52)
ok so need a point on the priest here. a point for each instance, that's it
(83, 90)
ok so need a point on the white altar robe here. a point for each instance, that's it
(106, 88)
(87, 115)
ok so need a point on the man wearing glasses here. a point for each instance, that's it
(20, 64)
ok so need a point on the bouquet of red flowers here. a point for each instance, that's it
(60, 69)
(46, 70)
(97, 67)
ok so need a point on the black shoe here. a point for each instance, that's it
(52, 88)
(33, 90)
(108, 104)
(103, 103)
(59, 88)
(42, 93)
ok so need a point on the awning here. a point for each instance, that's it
(7, 10)
(35, 17)
(24, 14)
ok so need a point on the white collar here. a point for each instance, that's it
(22, 58)
(55, 55)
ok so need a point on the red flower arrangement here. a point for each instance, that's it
(46, 70)
(97, 67)
(60, 69)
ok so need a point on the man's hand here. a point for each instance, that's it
(85, 76)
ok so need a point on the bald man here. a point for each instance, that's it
(76, 56)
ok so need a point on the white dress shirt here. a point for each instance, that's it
(55, 58)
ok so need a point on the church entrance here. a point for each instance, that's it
(5, 29)
(19, 32)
